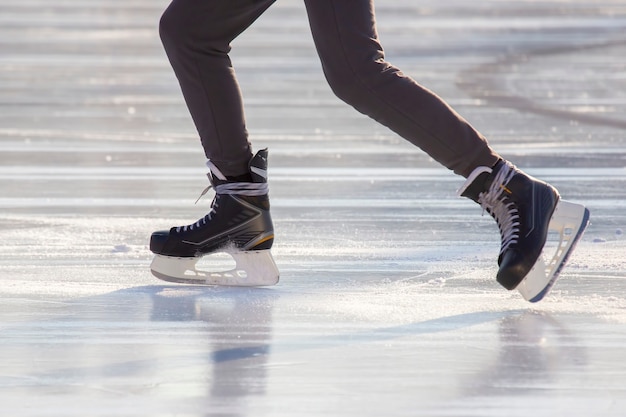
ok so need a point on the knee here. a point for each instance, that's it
(185, 27)
(172, 27)
(354, 82)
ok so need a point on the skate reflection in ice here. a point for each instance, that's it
(172, 348)
(239, 330)
(535, 350)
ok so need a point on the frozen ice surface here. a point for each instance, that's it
(387, 304)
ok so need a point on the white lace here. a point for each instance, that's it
(250, 189)
(505, 213)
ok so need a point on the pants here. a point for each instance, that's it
(197, 34)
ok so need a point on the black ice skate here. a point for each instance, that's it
(238, 224)
(525, 209)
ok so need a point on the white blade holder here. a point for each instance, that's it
(570, 221)
(252, 269)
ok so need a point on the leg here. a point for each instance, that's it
(523, 207)
(196, 35)
(354, 64)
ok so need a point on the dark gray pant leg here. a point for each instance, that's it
(196, 35)
(354, 64)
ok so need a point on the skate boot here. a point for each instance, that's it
(238, 224)
(525, 209)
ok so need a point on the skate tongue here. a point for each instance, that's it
(476, 183)
(252, 183)
(258, 166)
(214, 172)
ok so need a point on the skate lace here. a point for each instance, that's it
(250, 189)
(497, 203)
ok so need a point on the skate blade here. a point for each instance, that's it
(252, 269)
(570, 221)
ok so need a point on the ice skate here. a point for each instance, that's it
(525, 209)
(238, 224)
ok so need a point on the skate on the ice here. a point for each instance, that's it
(525, 210)
(239, 224)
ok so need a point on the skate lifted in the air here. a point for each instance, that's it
(526, 210)
(238, 224)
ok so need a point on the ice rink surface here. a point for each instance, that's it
(387, 304)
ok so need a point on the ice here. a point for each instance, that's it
(387, 304)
